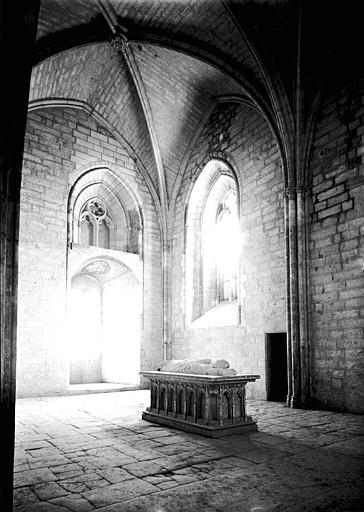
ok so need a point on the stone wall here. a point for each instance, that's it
(336, 235)
(239, 136)
(60, 145)
(78, 75)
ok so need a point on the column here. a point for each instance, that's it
(184, 401)
(288, 308)
(207, 407)
(168, 398)
(243, 405)
(158, 396)
(194, 408)
(233, 414)
(17, 36)
(151, 394)
(219, 407)
(303, 301)
(294, 340)
(166, 265)
(176, 399)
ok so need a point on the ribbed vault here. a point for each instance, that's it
(180, 89)
(97, 75)
(207, 24)
(57, 15)
(180, 92)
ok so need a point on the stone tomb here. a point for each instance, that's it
(210, 405)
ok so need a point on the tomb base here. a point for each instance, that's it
(209, 405)
(198, 428)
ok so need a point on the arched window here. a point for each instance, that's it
(104, 235)
(87, 231)
(212, 248)
(94, 224)
(112, 210)
(226, 247)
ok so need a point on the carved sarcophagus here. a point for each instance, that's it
(210, 405)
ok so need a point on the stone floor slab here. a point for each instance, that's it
(97, 452)
(120, 492)
(33, 476)
(49, 490)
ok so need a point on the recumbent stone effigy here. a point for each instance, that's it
(199, 396)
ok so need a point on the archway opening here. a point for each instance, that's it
(104, 310)
(85, 314)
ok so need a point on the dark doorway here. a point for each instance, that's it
(276, 353)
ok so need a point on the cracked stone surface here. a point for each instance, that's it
(94, 452)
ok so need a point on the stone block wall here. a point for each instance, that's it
(336, 247)
(239, 136)
(116, 100)
(60, 145)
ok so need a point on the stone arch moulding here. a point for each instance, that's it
(227, 169)
(82, 105)
(228, 165)
(89, 177)
(210, 56)
(131, 267)
(271, 122)
(219, 168)
(263, 111)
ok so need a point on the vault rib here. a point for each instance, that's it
(121, 43)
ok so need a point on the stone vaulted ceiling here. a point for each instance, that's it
(176, 58)
(181, 89)
(177, 88)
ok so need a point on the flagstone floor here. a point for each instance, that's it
(94, 452)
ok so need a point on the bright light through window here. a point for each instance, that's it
(226, 242)
(212, 242)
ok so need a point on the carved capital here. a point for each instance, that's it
(290, 192)
(302, 189)
(293, 190)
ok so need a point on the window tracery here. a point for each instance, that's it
(95, 224)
